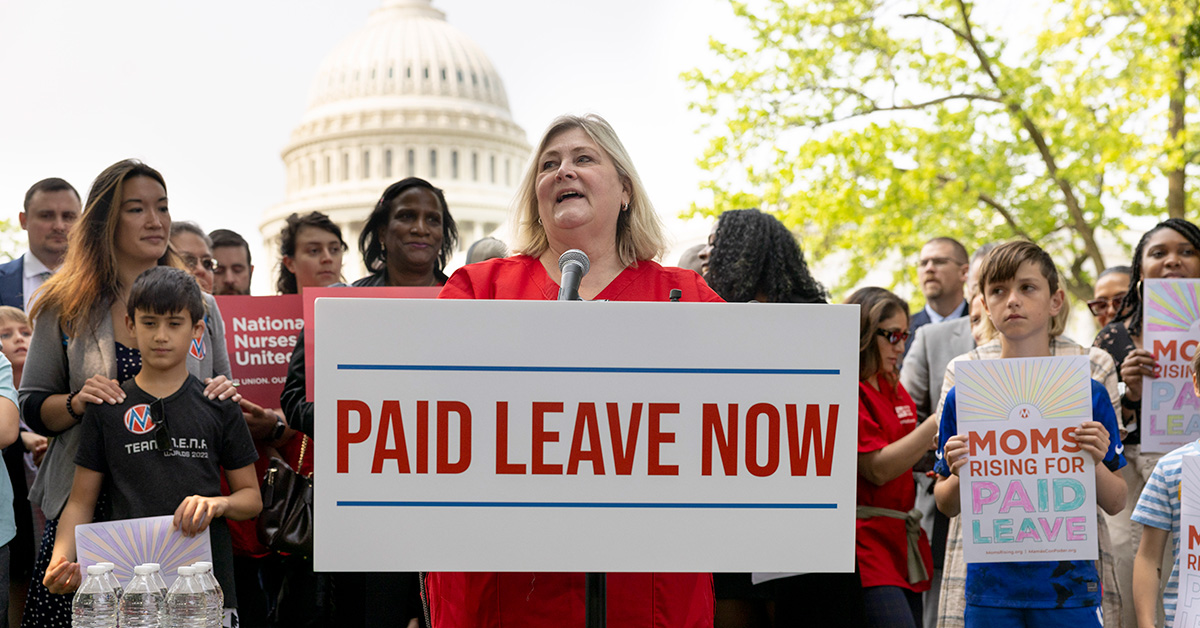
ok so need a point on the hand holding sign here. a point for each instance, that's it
(1093, 438)
(956, 452)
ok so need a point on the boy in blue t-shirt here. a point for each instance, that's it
(1158, 510)
(161, 451)
(1021, 296)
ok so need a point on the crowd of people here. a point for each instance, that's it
(96, 322)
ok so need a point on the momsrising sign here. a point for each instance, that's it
(1028, 488)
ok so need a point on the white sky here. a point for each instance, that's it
(208, 92)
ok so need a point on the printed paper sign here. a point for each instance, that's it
(1028, 489)
(127, 543)
(585, 436)
(1187, 611)
(260, 333)
(1170, 409)
(346, 292)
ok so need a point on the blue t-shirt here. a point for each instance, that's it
(1043, 584)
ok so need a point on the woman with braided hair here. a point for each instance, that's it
(752, 256)
(1170, 250)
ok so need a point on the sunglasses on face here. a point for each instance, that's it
(893, 336)
(191, 261)
(1098, 306)
(162, 433)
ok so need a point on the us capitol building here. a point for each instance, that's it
(407, 95)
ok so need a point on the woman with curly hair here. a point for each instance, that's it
(1170, 250)
(751, 256)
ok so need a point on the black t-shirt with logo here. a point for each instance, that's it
(143, 480)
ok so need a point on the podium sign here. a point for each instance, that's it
(585, 436)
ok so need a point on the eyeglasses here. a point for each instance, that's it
(894, 336)
(938, 261)
(1098, 306)
(208, 263)
(162, 433)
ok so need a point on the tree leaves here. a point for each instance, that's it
(870, 126)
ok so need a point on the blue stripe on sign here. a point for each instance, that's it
(582, 369)
(644, 505)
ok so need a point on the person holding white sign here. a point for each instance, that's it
(1022, 294)
(1171, 249)
(580, 192)
(893, 554)
(1158, 510)
(78, 357)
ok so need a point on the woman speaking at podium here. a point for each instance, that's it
(582, 192)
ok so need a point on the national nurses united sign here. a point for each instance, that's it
(572, 436)
(1028, 490)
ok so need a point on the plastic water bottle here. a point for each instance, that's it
(142, 603)
(110, 576)
(95, 604)
(186, 604)
(157, 579)
(212, 592)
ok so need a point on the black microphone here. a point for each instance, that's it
(574, 265)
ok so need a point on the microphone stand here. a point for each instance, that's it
(596, 600)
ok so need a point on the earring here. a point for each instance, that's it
(624, 206)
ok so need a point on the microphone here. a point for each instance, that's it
(574, 265)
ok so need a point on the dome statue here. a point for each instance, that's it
(407, 95)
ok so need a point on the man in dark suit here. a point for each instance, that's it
(942, 273)
(51, 207)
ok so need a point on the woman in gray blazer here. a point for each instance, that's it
(82, 350)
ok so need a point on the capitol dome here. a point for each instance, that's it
(407, 95)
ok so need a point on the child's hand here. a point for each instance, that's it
(195, 513)
(35, 444)
(955, 452)
(1092, 436)
(63, 576)
(97, 389)
(220, 387)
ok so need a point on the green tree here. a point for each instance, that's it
(873, 125)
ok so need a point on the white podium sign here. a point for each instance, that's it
(573, 436)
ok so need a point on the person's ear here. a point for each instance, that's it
(1056, 301)
(129, 325)
(22, 217)
(198, 329)
(289, 263)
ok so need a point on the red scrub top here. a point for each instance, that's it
(884, 417)
(524, 278)
(641, 600)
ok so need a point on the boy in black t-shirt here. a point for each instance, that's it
(161, 451)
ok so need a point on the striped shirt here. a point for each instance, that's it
(1158, 507)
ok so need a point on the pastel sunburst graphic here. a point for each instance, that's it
(1172, 305)
(1022, 390)
(131, 542)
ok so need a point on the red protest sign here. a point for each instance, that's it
(260, 333)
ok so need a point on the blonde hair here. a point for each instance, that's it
(639, 229)
(10, 314)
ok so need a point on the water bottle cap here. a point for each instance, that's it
(142, 570)
(154, 566)
(96, 570)
(202, 567)
(186, 571)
